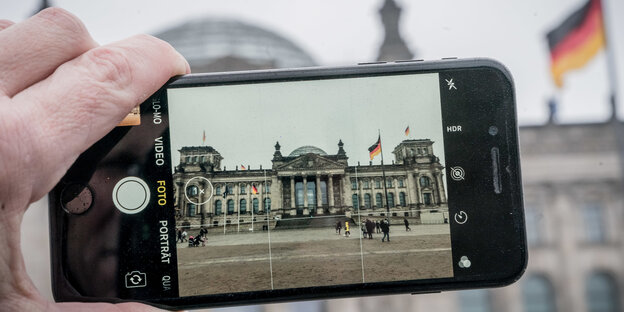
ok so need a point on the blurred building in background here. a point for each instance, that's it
(214, 44)
(572, 177)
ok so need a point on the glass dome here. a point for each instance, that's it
(207, 40)
(307, 150)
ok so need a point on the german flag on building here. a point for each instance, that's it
(254, 190)
(573, 43)
(375, 149)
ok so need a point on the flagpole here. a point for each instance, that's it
(611, 65)
(383, 173)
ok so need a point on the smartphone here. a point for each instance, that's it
(298, 184)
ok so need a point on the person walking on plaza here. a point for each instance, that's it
(338, 227)
(203, 234)
(370, 227)
(385, 228)
(184, 234)
(363, 228)
(377, 226)
(179, 236)
(347, 232)
(407, 228)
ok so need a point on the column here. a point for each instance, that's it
(200, 208)
(181, 199)
(237, 199)
(276, 193)
(410, 186)
(330, 192)
(249, 203)
(395, 182)
(441, 188)
(306, 211)
(261, 204)
(292, 192)
(319, 200)
(293, 208)
(210, 208)
(418, 192)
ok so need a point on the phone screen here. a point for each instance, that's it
(309, 183)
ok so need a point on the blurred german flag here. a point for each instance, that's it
(577, 40)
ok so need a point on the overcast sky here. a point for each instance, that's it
(317, 113)
(346, 32)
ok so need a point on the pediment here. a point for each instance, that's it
(311, 162)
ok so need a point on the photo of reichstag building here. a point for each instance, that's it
(308, 182)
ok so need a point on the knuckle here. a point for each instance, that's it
(5, 23)
(109, 65)
(154, 43)
(66, 23)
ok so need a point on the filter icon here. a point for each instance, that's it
(457, 173)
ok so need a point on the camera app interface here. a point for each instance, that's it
(309, 183)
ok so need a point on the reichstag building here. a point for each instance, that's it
(309, 182)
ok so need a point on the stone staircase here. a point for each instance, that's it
(311, 222)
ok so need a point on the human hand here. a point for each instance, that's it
(59, 93)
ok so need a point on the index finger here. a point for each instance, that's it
(85, 98)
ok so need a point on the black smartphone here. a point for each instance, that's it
(267, 186)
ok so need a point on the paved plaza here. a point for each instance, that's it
(243, 261)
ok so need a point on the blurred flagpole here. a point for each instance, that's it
(611, 64)
(618, 129)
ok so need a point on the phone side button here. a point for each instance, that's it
(409, 61)
(372, 63)
(426, 292)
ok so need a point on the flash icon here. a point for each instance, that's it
(450, 84)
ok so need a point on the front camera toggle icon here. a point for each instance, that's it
(136, 279)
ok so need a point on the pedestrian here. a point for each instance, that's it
(347, 232)
(363, 228)
(202, 234)
(407, 228)
(184, 234)
(385, 228)
(377, 226)
(338, 227)
(370, 227)
(179, 235)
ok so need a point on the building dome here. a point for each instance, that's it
(307, 150)
(206, 41)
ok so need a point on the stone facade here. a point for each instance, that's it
(308, 182)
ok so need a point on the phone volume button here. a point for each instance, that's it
(426, 292)
(371, 63)
(409, 61)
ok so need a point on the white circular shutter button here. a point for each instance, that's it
(131, 195)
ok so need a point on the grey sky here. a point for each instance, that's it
(346, 32)
(298, 115)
